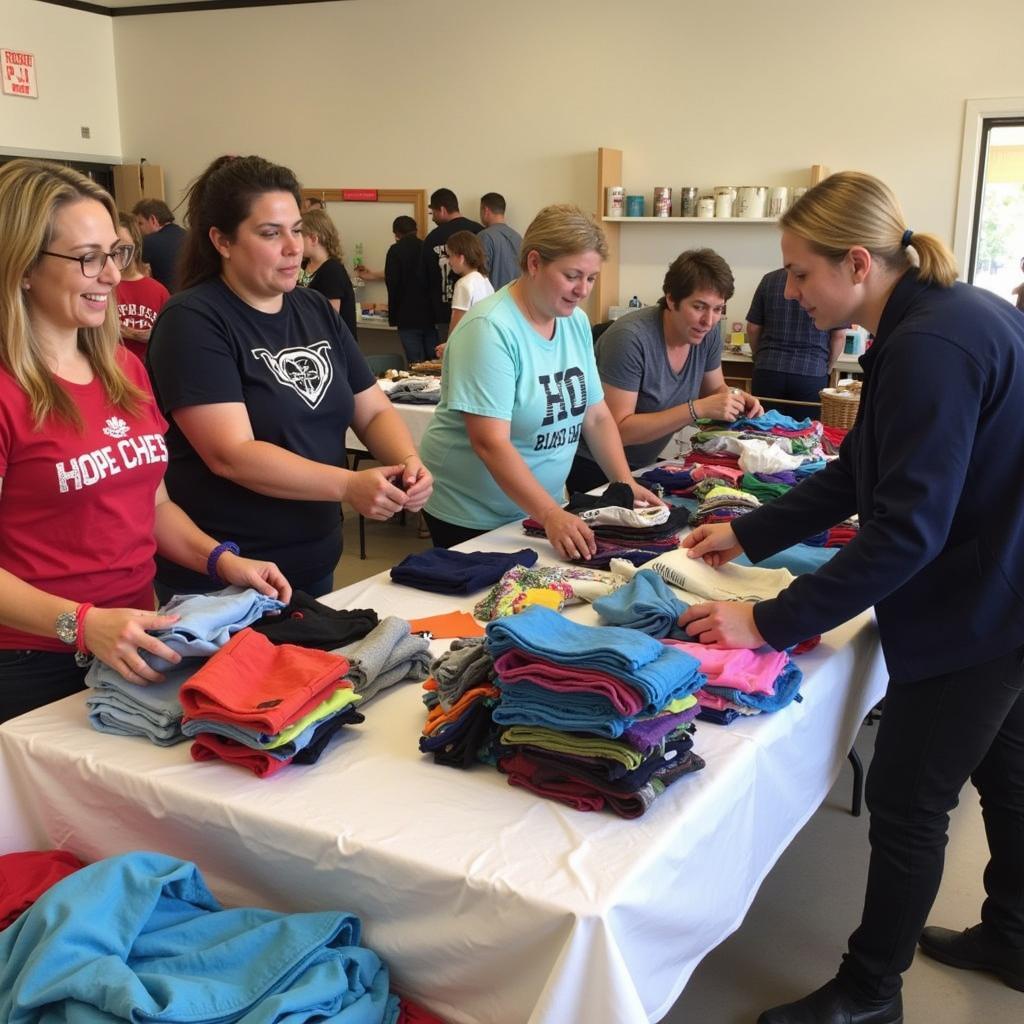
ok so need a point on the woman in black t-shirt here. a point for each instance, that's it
(260, 380)
(324, 271)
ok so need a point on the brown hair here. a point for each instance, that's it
(467, 245)
(127, 221)
(147, 208)
(316, 224)
(696, 269)
(852, 208)
(32, 192)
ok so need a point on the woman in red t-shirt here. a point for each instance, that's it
(139, 296)
(83, 506)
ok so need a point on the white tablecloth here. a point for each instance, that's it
(489, 904)
(415, 417)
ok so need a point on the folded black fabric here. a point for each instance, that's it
(618, 495)
(458, 572)
(310, 623)
(459, 743)
(323, 733)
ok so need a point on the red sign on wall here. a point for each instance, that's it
(359, 195)
(19, 73)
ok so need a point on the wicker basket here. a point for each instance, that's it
(839, 405)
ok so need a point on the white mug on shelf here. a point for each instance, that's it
(778, 199)
(706, 207)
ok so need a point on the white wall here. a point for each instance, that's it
(425, 93)
(75, 72)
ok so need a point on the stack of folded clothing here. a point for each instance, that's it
(263, 706)
(441, 571)
(729, 582)
(593, 716)
(206, 622)
(460, 697)
(721, 504)
(311, 623)
(416, 391)
(741, 682)
(622, 531)
(387, 655)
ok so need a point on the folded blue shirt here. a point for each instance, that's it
(787, 686)
(208, 621)
(458, 572)
(139, 937)
(646, 603)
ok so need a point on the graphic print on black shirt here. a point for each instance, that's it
(307, 371)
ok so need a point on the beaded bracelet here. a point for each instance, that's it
(693, 410)
(211, 562)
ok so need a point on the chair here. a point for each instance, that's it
(378, 364)
(596, 330)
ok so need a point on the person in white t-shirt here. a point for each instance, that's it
(466, 258)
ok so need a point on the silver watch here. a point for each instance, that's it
(66, 627)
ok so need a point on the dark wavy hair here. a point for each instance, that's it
(222, 197)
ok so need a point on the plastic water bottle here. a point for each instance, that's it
(357, 258)
(635, 303)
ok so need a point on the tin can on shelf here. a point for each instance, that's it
(614, 201)
(662, 201)
(723, 204)
(688, 196)
(752, 201)
(798, 193)
(634, 206)
(778, 198)
(706, 207)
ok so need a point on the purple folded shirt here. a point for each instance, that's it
(646, 733)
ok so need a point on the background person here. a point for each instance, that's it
(466, 258)
(139, 296)
(518, 390)
(500, 241)
(162, 240)
(792, 358)
(408, 308)
(661, 365)
(932, 467)
(81, 451)
(324, 271)
(261, 380)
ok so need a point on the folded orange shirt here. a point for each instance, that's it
(259, 685)
(449, 626)
(437, 716)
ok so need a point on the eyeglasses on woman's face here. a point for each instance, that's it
(93, 262)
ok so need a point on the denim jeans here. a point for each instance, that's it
(30, 679)
(795, 386)
(419, 343)
(933, 736)
(447, 535)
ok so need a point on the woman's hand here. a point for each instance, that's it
(249, 572)
(715, 543)
(569, 535)
(642, 496)
(722, 624)
(418, 484)
(115, 636)
(372, 494)
(752, 408)
(722, 405)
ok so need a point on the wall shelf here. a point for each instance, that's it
(690, 220)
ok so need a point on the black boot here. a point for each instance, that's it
(975, 949)
(832, 1004)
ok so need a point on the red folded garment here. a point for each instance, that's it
(410, 1013)
(24, 877)
(209, 746)
(255, 684)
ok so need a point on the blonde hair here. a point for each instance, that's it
(31, 194)
(562, 230)
(127, 221)
(852, 208)
(316, 224)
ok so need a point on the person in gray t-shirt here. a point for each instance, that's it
(661, 365)
(500, 241)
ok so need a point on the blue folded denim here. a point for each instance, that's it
(139, 937)
(208, 621)
(660, 674)
(645, 603)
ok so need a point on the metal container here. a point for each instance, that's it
(634, 206)
(688, 196)
(723, 204)
(614, 201)
(752, 202)
(662, 201)
(778, 198)
(706, 207)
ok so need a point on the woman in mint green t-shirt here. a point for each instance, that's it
(519, 389)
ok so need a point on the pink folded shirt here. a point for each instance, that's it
(749, 671)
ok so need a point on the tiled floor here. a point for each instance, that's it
(795, 932)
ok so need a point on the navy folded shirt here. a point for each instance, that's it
(458, 572)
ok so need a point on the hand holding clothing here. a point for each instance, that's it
(264, 577)
(373, 495)
(115, 635)
(569, 535)
(721, 405)
(714, 542)
(722, 624)
(418, 484)
(642, 496)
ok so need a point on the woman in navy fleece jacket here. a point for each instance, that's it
(934, 467)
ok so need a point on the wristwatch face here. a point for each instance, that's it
(67, 631)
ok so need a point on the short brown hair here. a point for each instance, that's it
(147, 208)
(695, 270)
(467, 245)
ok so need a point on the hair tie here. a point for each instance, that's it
(905, 240)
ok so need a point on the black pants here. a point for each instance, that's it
(447, 535)
(795, 386)
(933, 736)
(584, 476)
(30, 679)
